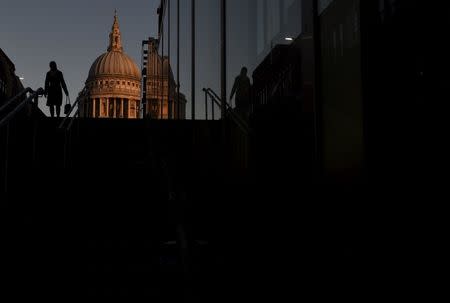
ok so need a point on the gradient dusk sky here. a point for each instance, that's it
(73, 33)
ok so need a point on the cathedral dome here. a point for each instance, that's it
(113, 87)
(114, 63)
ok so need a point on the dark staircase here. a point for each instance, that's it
(148, 209)
(107, 217)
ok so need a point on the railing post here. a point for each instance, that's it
(193, 60)
(178, 60)
(169, 101)
(212, 108)
(223, 55)
(162, 64)
(35, 127)
(206, 104)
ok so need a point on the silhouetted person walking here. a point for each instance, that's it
(242, 88)
(54, 81)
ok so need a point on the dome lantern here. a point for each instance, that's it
(114, 62)
(115, 40)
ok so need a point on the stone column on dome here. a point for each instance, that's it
(138, 108)
(132, 109)
(121, 108)
(115, 107)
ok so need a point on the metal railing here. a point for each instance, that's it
(34, 95)
(238, 138)
(216, 100)
(67, 124)
(16, 105)
(71, 119)
(277, 78)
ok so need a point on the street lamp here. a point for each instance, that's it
(287, 38)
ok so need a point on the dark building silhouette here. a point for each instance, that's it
(342, 120)
(10, 84)
(375, 87)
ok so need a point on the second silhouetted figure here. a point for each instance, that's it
(54, 81)
(242, 88)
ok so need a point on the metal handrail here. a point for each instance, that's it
(21, 105)
(61, 126)
(77, 113)
(243, 125)
(7, 104)
(34, 95)
(68, 128)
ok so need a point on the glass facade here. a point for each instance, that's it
(323, 4)
(341, 90)
(254, 28)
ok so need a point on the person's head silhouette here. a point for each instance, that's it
(53, 66)
(244, 71)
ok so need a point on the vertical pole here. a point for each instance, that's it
(206, 105)
(265, 23)
(178, 59)
(193, 59)
(143, 80)
(212, 109)
(223, 55)
(169, 101)
(35, 126)
(281, 15)
(146, 106)
(162, 64)
(317, 91)
(223, 82)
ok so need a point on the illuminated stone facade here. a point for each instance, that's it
(162, 104)
(113, 87)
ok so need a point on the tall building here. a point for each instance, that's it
(161, 93)
(10, 84)
(341, 90)
(113, 87)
